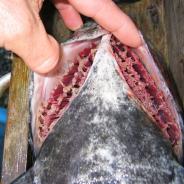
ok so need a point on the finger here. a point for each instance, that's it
(109, 16)
(71, 17)
(22, 32)
(39, 50)
(44, 54)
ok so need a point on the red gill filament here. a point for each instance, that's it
(64, 91)
(146, 90)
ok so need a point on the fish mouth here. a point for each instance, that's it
(53, 94)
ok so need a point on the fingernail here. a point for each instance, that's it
(76, 26)
(47, 65)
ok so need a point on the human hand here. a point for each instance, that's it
(22, 30)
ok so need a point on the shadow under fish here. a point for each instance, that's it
(109, 114)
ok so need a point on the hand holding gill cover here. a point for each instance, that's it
(22, 30)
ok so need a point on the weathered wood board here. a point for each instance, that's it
(174, 14)
(160, 21)
(16, 137)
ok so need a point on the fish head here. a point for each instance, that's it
(52, 94)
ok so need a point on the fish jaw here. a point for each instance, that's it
(104, 137)
(152, 67)
(74, 49)
(151, 92)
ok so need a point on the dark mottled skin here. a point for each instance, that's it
(104, 138)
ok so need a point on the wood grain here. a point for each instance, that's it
(174, 14)
(16, 137)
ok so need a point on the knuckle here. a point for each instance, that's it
(19, 33)
(22, 29)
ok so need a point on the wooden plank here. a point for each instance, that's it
(174, 14)
(16, 136)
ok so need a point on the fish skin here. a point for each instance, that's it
(104, 138)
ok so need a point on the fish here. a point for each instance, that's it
(105, 116)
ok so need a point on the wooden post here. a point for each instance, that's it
(16, 137)
(174, 14)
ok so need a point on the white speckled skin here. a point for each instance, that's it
(41, 86)
(104, 137)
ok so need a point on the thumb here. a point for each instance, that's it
(40, 51)
(23, 32)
